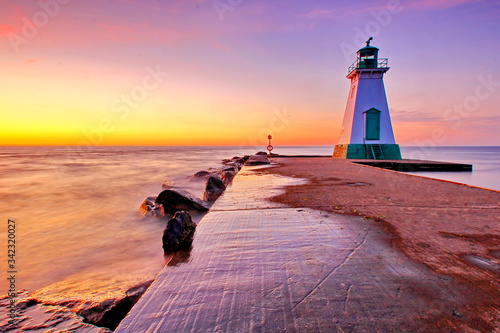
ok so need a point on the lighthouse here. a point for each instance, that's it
(367, 129)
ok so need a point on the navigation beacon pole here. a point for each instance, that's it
(367, 129)
(270, 147)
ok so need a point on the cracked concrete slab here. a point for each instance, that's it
(257, 266)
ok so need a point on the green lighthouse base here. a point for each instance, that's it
(368, 151)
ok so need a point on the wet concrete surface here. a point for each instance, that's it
(258, 266)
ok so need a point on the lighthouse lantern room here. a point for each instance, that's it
(367, 129)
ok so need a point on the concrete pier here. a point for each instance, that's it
(262, 266)
(415, 165)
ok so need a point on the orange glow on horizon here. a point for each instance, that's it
(152, 73)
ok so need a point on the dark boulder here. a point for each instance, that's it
(257, 159)
(262, 153)
(151, 209)
(110, 312)
(179, 232)
(227, 177)
(239, 160)
(205, 174)
(175, 199)
(214, 188)
(235, 165)
(202, 175)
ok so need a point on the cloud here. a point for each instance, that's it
(484, 121)
(437, 4)
(485, 124)
(415, 116)
(346, 12)
(167, 6)
(144, 33)
(6, 29)
(25, 62)
(352, 9)
(321, 13)
(30, 61)
(340, 13)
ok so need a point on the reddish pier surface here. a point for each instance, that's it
(320, 244)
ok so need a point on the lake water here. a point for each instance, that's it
(485, 161)
(79, 233)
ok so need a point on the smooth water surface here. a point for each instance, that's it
(485, 161)
(79, 233)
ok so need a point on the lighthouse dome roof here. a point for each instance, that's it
(368, 48)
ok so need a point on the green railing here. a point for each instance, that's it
(369, 63)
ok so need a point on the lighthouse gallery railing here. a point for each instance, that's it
(369, 63)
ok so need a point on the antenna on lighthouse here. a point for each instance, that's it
(368, 41)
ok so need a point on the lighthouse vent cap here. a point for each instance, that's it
(368, 48)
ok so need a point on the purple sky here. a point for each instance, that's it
(238, 69)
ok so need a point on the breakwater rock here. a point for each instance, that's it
(260, 158)
(233, 165)
(178, 233)
(204, 174)
(45, 313)
(37, 317)
(175, 199)
(213, 189)
(227, 177)
(110, 312)
(150, 208)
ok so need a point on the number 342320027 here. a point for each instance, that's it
(11, 246)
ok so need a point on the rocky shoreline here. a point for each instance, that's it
(38, 314)
(173, 199)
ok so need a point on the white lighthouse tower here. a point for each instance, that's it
(367, 130)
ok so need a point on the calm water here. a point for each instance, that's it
(485, 161)
(79, 233)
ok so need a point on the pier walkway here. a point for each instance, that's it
(259, 266)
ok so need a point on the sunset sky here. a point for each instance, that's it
(229, 72)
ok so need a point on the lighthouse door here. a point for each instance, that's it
(372, 124)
